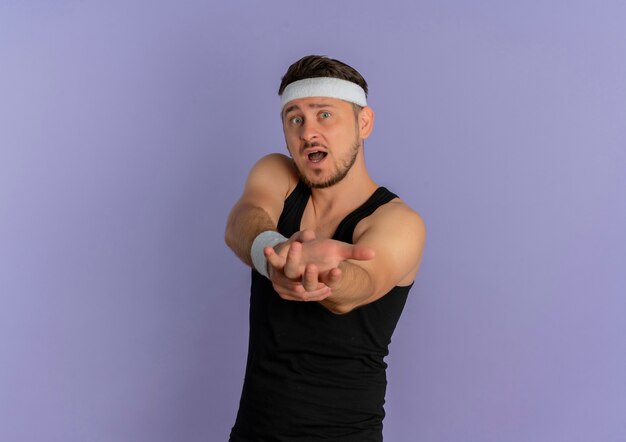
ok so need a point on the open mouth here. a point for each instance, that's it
(317, 156)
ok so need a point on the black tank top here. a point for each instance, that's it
(312, 375)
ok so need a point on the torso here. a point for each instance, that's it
(303, 358)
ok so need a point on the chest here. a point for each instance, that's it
(325, 225)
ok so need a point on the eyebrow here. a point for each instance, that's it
(312, 105)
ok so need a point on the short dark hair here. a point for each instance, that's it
(313, 66)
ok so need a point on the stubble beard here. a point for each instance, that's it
(339, 175)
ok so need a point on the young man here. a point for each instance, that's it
(333, 255)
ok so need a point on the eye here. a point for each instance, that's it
(296, 120)
(324, 115)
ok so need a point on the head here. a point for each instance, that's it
(325, 118)
(318, 66)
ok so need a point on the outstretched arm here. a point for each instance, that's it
(394, 232)
(268, 184)
(261, 203)
(397, 235)
(300, 269)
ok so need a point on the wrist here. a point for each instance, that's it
(268, 238)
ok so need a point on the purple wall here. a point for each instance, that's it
(126, 131)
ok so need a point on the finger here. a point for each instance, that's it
(322, 291)
(282, 249)
(292, 265)
(276, 261)
(319, 295)
(333, 278)
(358, 252)
(282, 284)
(299, 293)
(288, 289)
(289, 295)
(304, 235)
(310, 278)
(307, 235)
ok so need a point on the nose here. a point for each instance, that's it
(309, 130)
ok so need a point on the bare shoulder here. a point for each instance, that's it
(277, 161)
(395, 219)
(397, 234)
(274, 172)
(277, 165)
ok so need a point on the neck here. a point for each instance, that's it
(346, 195)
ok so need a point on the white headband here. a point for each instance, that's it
(324, 87)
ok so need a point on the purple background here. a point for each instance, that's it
(127, 128)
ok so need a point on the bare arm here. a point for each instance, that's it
(270, 181)
(386, 253)
(304, 268)
(258, 209)
(397, 236)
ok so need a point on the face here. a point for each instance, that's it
(323, 138)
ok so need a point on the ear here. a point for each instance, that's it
(365, 120)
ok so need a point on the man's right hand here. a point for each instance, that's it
(307, 269)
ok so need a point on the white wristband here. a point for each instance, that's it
(264, 239)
